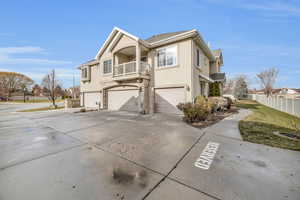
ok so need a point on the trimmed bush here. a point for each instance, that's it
(212, 105)
(200, 100)
(195, 112)
(220, 103)
(214, 89)
(229, 102)
(180, 106)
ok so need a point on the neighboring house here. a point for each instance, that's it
(288, 91)
(37, 90)
(283, 92)
(73, 92)
(152, 75)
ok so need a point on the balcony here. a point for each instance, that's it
(131, 70)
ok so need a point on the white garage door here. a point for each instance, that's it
(166, 99)
(123, 100)
(91, 99)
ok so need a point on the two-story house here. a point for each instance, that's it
(151, 75)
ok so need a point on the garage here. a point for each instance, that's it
(166, 99)
(123, 99)
(91, 99)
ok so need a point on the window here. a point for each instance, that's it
(198, 57)
(84, 73)
(107, 69)
(167, 57)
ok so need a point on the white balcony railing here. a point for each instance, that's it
(129, 68)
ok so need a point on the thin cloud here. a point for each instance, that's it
(7, 56)
(20, 50)
(283, 9)
(12, 61)
(274, 8)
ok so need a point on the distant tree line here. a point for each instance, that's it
(50, 87)
(11, 82)
(238, 86)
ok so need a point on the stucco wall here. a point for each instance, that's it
(125, 41)
(93, 84)
(185, 73)
(178, 75)
(98, 79)
(215, 67)
(203, 69)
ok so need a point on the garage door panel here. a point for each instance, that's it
(167, 99)
(123, 100)
(91, 99)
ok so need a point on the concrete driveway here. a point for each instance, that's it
(120, 155)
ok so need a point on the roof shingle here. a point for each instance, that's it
(156, 38)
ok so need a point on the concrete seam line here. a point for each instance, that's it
(42, 156)
(174, 167)
(193, 188)
(79, 129)
(133, 162)
(63, 133)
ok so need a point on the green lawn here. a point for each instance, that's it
(41, 109)
(259, 126)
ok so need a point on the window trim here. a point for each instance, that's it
(198, 63)
(167, 66)
(111, 67)
(84, 72)
(88, 75)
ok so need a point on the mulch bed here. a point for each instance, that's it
(215, 117)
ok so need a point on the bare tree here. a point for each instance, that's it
(12, 81)
(51, 87)
(229, 86)
(241, 86)
(24, 84)
(267, 79)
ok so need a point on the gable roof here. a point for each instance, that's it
(156, 38)
(217, 52)
(114, 32)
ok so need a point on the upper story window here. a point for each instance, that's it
(167, 56)
(84, 73)
(107, 67)
(198, 57)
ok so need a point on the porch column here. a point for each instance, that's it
(138, 57)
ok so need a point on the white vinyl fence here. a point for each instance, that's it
(289, 105)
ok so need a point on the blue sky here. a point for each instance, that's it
(37, 36)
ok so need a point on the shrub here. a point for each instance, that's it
(200, 100)
(220, 103)
(195, 112)
(229, 102)
(82, 110)
(180, 106)
(214, 89)
(212, 105)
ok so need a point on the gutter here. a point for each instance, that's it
(207, 78)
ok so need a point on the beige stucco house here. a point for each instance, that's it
(151, 75)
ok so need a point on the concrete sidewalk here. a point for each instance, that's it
(229, 127)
